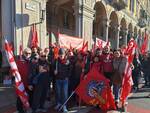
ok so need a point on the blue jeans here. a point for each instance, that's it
(116, 92)
(61, 91)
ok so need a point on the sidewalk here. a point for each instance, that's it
(138, 103)
(7, 98)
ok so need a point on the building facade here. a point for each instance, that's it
(111, 20)
(17, 17)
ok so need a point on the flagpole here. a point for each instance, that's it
(67, 100)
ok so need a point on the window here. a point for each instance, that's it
(131, 6)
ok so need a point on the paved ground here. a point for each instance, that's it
(138, 103)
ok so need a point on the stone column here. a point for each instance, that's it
(114, 39)
(106, 27)
(6, 15)
(117, 29)
(84, 22)
(7, 21)
(78, 20)
(125, 32)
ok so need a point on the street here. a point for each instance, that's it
(138, 103)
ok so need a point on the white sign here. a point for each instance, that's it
(30, 6)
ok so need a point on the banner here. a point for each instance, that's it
(95, 90)
(100, 43)
(65, 41)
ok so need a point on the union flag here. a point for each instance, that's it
(95, 90)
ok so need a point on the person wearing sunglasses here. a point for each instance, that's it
(41, 84)
(23, 65)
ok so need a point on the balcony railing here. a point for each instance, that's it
(142, 22)
(118, 4)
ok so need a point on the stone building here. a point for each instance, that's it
(17, 17)
(111, 20)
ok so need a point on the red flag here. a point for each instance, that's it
(95, 90)
(100, 44)
(71, 50)
(126, 84)
(34, 41)
(127, 79)
(130, 51)
(144, 45)
(20, 90)
(56, 51)
(108, 44)
(20, 50)
(84, 47)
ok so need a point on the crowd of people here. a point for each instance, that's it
(63, 69)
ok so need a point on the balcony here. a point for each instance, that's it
(142, 22)
(118, 4)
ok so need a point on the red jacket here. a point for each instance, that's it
(107, 62)
(23, 67)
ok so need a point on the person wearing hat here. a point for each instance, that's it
(62, 74)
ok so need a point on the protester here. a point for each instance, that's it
(107, 59)
(23, 67)
(62, 74)
(32, 75)
(34, 52)
(41, 84)
(76, 73)
(119, 65)
(46, 51)
(146, 69)
(136, 73)
(87, 62)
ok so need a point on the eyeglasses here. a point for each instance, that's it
(43, 56)
(28, 53)
(35, 58)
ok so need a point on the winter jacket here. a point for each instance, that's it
(63, 68)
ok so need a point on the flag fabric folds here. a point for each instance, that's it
(95, 90)
(127, 79)
(84, 46)
(65, 41)
(130, 51)
(34, 41)
(20, 90)
(144, 45)
(126, 84)
(20, 50)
